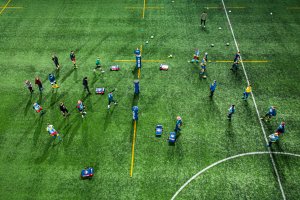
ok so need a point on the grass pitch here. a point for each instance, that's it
(36, 167)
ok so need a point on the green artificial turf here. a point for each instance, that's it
(33, 166)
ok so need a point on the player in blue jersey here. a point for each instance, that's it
(271, 113)
(273, 138)
(212, 88)
(237, 57)
(111, 99)
(81, 108)
(38, 108)
(231, 111)
(178, 124)
(137, 52)
(281, 128)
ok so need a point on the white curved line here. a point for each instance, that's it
(255, 105)
(226, 159)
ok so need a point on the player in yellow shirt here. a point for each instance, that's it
(247, 92)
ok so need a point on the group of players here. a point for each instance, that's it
(274, 137)
(63, 109)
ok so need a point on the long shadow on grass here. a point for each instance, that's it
(43, 157)
(85, 135)
(108, 119)
(76, 125)
(66, 75)
(283, 159)
(75, 76)
(24, 136)
(38, 130)
(135, 73)
(28, 105)
(55, 99)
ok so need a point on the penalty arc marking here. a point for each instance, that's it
(226, 159)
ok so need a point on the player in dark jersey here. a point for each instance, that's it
(55, 60)
(73, 59)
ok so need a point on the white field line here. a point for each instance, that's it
(224, 160)
(255, 105)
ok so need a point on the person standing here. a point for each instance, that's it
(98, 65)
(281, 128)
(271, 113)
(213, 88)
(29, 86)
(55, 60)
(203, 18)
(195, 56)
(39, 83)
(137, 52)
(52, 80)
(111, 99)
(247, 92)
(85, 84)
(231, 110)
(237, 57)
(63, 109)
(178, 124)
(73, 59)
(81, 108)
(273, 138)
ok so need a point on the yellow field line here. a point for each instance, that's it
(153, 7)
(4, 7)
(132, 148)
(222, 7)
(139, 73)
(11, 7)
(144, 8)
(135, 60)
(141, 48)
(245, 61)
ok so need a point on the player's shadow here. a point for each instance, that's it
(45, 152)
(57, 73)
(55, 98)
(108, 119)
(28, 105)
(282, 159)
(85, 135)
(205, 30)
(229, 132)
(94, 80)
(25, 134)
(37, 131)
(71, 130)
(135, 72)
(75, 76)
(40, 98)
(67, 75)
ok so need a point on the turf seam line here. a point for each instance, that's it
(226, 159)
(144, 8)
(4, 7)
(255, 105)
